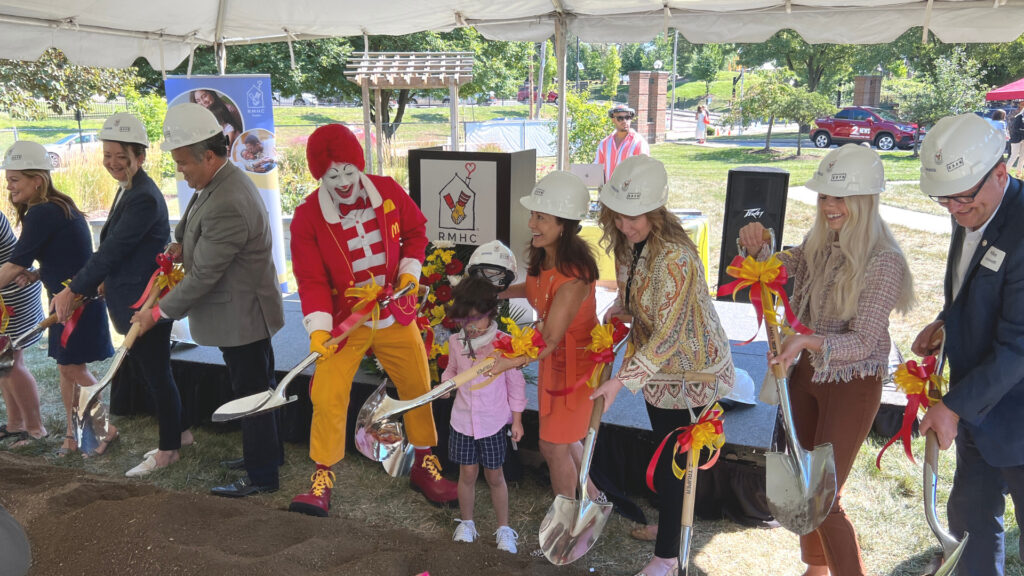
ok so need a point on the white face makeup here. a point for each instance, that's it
(343, 180)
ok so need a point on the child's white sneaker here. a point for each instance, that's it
(507, 538)
(465, 531)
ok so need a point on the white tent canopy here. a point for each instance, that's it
(114, 33)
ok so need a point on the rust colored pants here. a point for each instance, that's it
(400, 351)
(840, 413)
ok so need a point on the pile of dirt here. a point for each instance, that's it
(81, 525)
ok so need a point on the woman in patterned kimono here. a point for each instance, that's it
(675, 329)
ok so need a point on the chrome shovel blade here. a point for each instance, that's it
(800, 497)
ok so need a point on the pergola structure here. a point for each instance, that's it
(408, 70)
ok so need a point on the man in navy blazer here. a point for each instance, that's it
(962, 168)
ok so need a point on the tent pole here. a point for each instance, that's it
(563, 134)
(220, 51)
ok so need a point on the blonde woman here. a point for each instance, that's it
(849, 276)
(675, 328)
(55, 234)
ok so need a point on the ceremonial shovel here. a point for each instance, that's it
(273, 399)
(690, 484)
(951, 548)
(88, 414)
(9, 346)
(800, 485)
(571, 527)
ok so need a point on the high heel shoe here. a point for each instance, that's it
(66, 450)
(672, 570)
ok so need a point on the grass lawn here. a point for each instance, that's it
(885, 505)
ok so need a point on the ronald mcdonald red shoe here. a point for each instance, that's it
(425, 477)
(316, 502)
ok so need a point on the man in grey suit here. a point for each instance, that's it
(230, 291)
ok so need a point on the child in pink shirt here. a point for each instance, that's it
(481, 417)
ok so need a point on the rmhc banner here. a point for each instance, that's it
(242, 104)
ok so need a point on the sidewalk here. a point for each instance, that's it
(892, 215)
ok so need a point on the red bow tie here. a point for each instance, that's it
(360, 204)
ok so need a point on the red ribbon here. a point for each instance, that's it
(427, 331)
(69, 326)
(165, 266)
(503, 343)
(684, 442)
(915, 401)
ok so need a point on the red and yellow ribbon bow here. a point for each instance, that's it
(708, 433)
(523, 341)
(166, 276)
(603, 339)
(767, 281)
(914, 380)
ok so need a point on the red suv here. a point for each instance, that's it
(524, 90)
(863, 124)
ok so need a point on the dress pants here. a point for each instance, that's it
(840, 413)
(251, 371)
(151, 355)
(976, 506)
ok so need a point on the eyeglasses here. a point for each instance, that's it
(469, 319)
(963, 199)
(620, 118)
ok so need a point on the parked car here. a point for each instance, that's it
(304, 99)
(478, 100)
(864, 124)
(521, 96)
(70, 146)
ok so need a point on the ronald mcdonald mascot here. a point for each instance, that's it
(356, 234)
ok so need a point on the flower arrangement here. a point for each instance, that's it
(442, 269)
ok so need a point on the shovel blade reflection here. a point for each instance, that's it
(800, 503)
(571, 528)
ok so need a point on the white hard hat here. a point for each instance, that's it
(957, 153)
(25, 155)
(124, 127)
(187, 124)
(638, 185)
(849, 170)
(495, 262)
(561, 194)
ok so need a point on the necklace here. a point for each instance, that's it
(547, 294)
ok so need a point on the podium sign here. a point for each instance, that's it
(473, 197)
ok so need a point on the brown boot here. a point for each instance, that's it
(316, 502)
(425, 477)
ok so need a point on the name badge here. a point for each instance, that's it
(993, 259)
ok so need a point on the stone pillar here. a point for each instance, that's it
(647, 97)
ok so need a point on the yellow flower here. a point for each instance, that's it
(437, 314)
(438, 350)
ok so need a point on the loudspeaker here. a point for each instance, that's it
(753, 194)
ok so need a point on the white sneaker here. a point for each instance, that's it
(507, 538)
(465, 531)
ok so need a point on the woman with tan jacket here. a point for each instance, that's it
(675, 329)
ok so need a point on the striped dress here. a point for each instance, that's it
(26, 302)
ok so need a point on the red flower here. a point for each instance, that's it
(443, 293)
(432, 279)
(450, 325)
(442, 361)
(454, 267)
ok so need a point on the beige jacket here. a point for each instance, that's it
(230, 291)
(675, 330)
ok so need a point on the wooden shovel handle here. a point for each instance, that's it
(362, 318)
(147, 306)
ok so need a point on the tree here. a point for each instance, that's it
(588, 124)
(815, 65)
(803, 106)
(706, 63)
(768, 97)
(953, 88)
(610, 66)
(62, 86)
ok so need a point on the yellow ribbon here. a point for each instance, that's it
(168, 281)
(5, 316)
(522, 339)
(601, 338)
(702, 435)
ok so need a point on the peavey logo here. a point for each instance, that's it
(753, 213)
(958, 163)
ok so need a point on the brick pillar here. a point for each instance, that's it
(656, 107)
(639, 90)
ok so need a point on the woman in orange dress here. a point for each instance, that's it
(560, 286)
